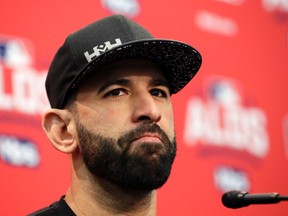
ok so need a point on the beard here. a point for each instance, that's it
(143, 166)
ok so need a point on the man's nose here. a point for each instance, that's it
(145, 109)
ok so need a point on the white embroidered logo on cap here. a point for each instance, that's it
(101, 49)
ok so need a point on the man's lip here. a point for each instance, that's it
(148, 137)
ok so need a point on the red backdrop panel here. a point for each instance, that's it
(231, 121)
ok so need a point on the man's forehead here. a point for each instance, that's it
(125, 73)
(126, 69)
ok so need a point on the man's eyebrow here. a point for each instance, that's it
(153, 82)
(160, 82)
(113, 82)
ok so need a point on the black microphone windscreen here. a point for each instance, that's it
(234, 199)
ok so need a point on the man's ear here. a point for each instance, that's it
(60, 128)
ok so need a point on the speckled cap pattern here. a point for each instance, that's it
(112, 39)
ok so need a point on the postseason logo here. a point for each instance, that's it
(22, 100)
(21, 84)
(220, 119)
(220, 123)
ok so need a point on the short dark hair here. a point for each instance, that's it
(69, 104)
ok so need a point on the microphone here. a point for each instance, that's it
(238, 199)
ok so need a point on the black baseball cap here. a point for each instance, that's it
(110, 39)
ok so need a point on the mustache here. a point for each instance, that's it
(141, 129)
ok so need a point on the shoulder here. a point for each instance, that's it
(47, 211)
(58, 208)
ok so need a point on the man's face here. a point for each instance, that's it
(125, 125)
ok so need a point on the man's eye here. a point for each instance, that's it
(116, 93)
(158, 93)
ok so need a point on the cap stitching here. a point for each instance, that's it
(73, 52)
(127, 26)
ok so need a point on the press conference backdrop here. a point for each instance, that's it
(231, 121)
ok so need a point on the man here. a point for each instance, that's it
(109, 86)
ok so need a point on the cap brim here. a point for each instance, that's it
(180, 61)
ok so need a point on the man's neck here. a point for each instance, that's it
(99, 197)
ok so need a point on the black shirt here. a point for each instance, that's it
(58, 208)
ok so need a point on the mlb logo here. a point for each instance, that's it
(127, 7)
(224, 91)
(15, 52)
